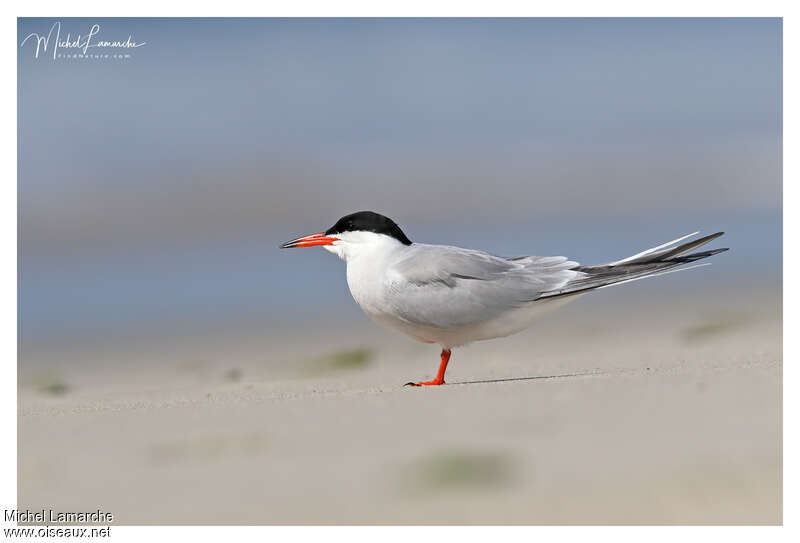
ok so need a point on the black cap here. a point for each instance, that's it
(368, 221)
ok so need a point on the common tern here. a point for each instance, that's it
(454, 296)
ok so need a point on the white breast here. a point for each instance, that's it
(367, 281)
(365, 278)
(368, 256)
(427, 305)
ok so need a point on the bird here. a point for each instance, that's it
(451, 296)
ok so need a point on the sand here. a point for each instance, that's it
(661, 411)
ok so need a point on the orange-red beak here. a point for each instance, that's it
(310, 241)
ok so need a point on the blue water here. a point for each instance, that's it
(142, 291)
(142, 184)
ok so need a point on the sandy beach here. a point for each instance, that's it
(662, 411)
(176, 367)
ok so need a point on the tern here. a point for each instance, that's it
(454, 296)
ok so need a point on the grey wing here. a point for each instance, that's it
(449, 287)
(665, 258)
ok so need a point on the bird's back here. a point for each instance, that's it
(450, 295)
(427, 289)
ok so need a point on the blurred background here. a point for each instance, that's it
(154, 190)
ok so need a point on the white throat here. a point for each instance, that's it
(353, 246)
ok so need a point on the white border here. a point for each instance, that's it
(495, 8)
(8, 276)
(409, 8)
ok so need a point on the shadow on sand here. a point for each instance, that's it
(534, 377)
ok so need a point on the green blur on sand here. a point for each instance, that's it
(660, 411)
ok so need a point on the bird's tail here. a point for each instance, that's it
(666, 258)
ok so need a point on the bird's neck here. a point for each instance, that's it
(361, 247)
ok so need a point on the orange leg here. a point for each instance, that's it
(439, 375)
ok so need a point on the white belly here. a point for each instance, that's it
(366, 276)
(503, 325)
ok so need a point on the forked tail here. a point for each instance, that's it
(666, 258)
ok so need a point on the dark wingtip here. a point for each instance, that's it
(710, 237)
(698, 256)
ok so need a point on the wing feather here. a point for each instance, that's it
(449, 287)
